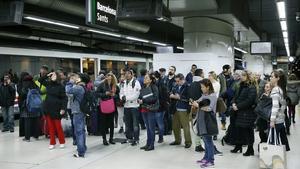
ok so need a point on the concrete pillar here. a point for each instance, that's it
(210, 35)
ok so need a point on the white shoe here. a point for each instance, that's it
(62, 146)
(51, 147)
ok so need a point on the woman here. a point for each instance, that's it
(293, 94)
(107, 91)
(243, 105)
(207, 129)
(149, 101)
(212, 76)
(261, 123)
(278, 95)
(31, 119)
(55, 106)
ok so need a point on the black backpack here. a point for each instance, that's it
(88, 103)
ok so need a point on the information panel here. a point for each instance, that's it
(101, 13)
(261, 47)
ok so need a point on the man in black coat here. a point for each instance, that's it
(7, 99)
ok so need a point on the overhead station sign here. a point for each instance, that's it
(101, 13)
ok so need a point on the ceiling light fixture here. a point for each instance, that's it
(158, 43)
(283, 25)
(137, 39)
(181, 48)
(281, 10)
(51, 22)
(104, 33)
(241, 50)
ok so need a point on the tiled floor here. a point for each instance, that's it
(16, 154)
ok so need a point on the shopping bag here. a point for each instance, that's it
(67, 126)
(272, 156)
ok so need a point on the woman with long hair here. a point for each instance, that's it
(207, 128)
(212, 76)
(107, 92)
(55, 106)
(149, 101)
(293, 94)
(278, 95)
(243, 105)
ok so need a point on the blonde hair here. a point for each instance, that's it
(214, 75)
(114, 80)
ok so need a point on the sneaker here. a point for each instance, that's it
(217, 152)
(208, 165)
(203, 161)
(26, 140)
(51, 147)
(134, 143)
(187, 145)
(199, 149)
(121, 130)
(78, 156)
(174, 143)
(62, 146)
(160, 141)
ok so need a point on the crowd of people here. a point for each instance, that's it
(158, 102)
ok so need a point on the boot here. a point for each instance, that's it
(250, 151)
(237, 148)
(199, 148)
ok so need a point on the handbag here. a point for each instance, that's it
(272, 156)
(264, 108)
(155, 106)
(107, 106)
(221, 106)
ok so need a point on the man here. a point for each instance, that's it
(162, 72)
(181, 115)
(169, 82)
(189, 76)
(226, 81)
(194, 94)
(129, 94)
(7, 99)
(76, 88)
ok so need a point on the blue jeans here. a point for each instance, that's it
(209, 148)
(159, 118)
(79, 128)
(149, 119)
(132, 129)
(8, 118)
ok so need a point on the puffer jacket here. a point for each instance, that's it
(245, 101)
(293, 92)
(150, 96)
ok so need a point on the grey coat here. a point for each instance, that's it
(293, 92)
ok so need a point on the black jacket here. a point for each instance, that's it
(7, 95)
(56, 98)
(149, 95)
(163, 96)
(245, 101)
(195, 91)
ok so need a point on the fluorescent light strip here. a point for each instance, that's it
(286, 40)
(181, 48)
(160, 44)
(104, 33)
(283, 25)
(137, 39)
(51, 22)
(281, 10)
(285, 34)
(241, 50)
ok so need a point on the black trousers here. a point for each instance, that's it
(281, 132)
(32, 127)
(107, 122)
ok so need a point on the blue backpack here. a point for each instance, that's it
(34, 101)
